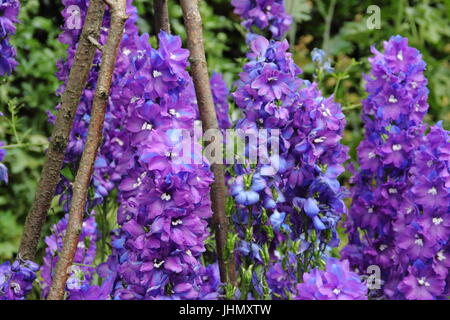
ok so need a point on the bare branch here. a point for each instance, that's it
(83, 178)
(162, 21)
(199, 70)
(55, 155)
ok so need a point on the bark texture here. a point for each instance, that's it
(199, 71)
(64, 122)
(161, 15)
(94, 138)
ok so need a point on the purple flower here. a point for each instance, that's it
(3, 168)
(430, 194)
(337, 282)
(421, 283)
(16, 280)
(271, 84)
(80, 276)
(9, 10)
(264, 14)
(220, 94)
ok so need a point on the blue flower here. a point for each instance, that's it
(248, 195)
(277, 221)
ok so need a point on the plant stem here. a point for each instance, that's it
(83, 177)
(328, 20)
(199, 70)
(352, 107)
(162, 21)
(55, 154)
(23, 145)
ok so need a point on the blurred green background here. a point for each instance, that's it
(337, 26)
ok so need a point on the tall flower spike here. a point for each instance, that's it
(164, 205)
(401, 192)
(294, 197)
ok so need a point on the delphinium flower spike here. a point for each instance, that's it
(288, 207)
(401, 196)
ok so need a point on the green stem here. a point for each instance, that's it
(13, 127)
(328, 19)
(22, 145)
(352, 107)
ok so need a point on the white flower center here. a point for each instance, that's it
(429, 163)
(392, 190)
(319, 140)
(174, 113)
(157, 264)
(126, 51)
(147, 126)
(392, 99)
(383, 247)
(419, 241)
(437, 220)
(156, 74)
(432, 191)
(370, 210)
(371, 155)
(400, 55)
(177, 222)
(119, 142)
(16, 287)
(138, 182)
(325, 111)
(336, 291)
(423, 282)
(440, 256)
(166, 196)
(397, 147)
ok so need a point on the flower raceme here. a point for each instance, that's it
(301, 202)
(401, 193)
(164, 205)
(143, 111)
(264, 14)
(9, 10)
